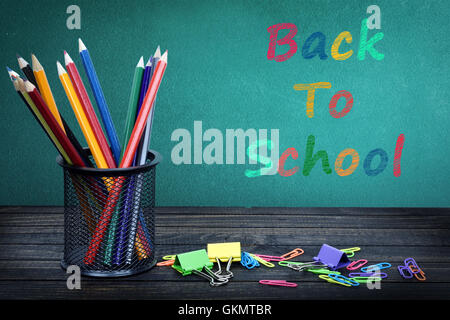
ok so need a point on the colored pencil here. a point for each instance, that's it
(44, 89)
(145, 82)
(127, 159)
(145, 141)
(26, 69)
(123, 221)
(88, 109)
(53, 124)
(81, 117)
(101, 101)
(133, 101)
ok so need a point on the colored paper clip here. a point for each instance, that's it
(412, 265)
(169, 257)
(341, 278)
(281, 283)
(292, 254)
(262, 261)
(328, 279)
(420, 276)
(323, 271)
(406, 275)
(376, 267)
(368, 274)
(248, 261)
(350, 252)
(366, 279)
(357, 264)
(270, 258)
(165, 263)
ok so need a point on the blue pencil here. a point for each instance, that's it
(101, 101)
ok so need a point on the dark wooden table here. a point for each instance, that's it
(31, 245)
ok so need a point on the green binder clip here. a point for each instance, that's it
(194, 260)
(224, 252)
(197, 262)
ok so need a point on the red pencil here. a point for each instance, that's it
(127, 160)
(89, 110)
(53, 124)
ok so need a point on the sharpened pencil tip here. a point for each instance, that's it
(67, 58)
(22, 62)
(157, 53)
(81, 45)
(28, 86)
(164, 56)
(12, 74)
(149, 62)
(60, 68)
(36, 64)
(140, 63)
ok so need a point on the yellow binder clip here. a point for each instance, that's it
(225, 252)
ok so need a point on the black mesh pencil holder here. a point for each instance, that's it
(109, 228)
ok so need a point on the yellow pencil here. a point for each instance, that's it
(44, 88)
(81, 118)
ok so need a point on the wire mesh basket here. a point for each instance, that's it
(109, 228)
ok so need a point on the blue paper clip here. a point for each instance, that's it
(248, 261)
(376, 267)
(343, 279)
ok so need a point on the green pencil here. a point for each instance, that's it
(133, 103)
(131, 118)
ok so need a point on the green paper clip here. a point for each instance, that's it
(224, 251)
(185, 263)
(323, 271)
(350, 252)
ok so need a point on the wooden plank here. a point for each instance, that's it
(247, 236)
(358, 211)
(113, 289)
(51, 270)
(392, 254)
(252, 221)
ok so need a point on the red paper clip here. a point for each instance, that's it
(292, 254)
(281, 283)
(357, 264)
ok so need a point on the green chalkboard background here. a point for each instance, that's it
(218, 73)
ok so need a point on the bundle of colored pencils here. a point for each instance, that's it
(35, 92)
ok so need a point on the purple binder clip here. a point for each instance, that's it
(332, 257)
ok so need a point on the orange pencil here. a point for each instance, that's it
(44, 89)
